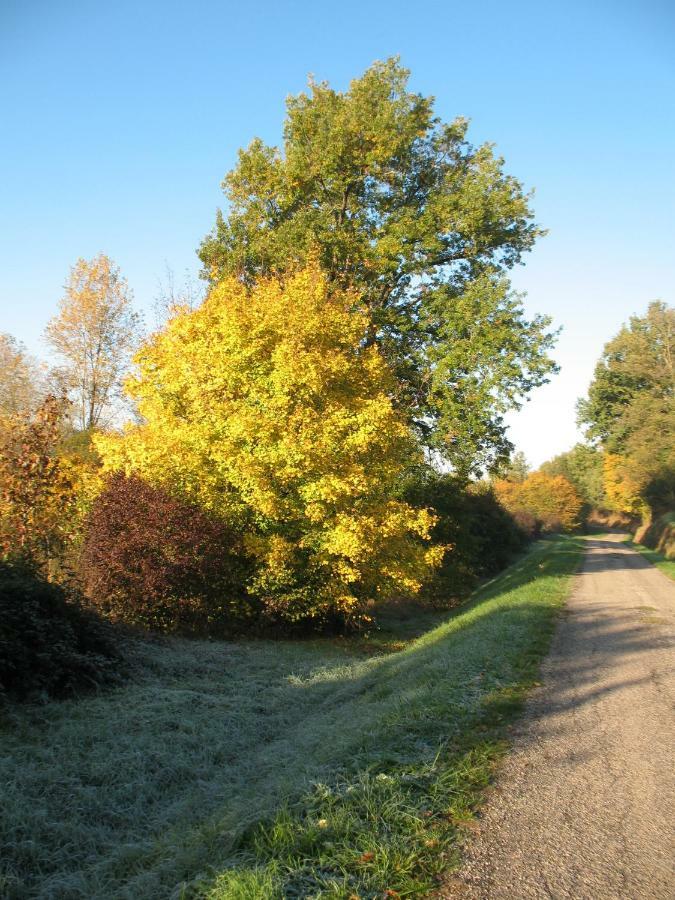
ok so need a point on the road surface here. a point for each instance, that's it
(584, 806)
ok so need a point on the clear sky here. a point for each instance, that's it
(120, 119)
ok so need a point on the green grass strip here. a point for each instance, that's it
(657, 559)
(434, 721)
(270, 769)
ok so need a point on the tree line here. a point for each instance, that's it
(324, 429)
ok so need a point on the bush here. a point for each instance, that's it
(150, 559)
(49, 644)
(483, 536)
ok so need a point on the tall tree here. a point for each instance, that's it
(399, 205)
(22, 380)
(94, 333)
(630, 408)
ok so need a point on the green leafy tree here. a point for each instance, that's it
(518, 467)
(583, 467)
(630, 408)
(400, 206)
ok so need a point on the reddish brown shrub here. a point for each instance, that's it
(153, 560)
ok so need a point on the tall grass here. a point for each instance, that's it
(277, 769)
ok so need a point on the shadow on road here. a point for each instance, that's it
(617, 616)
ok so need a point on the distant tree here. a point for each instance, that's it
(541, 502)
(517, 468)
(23, 383)
(583, 467)
(423, 225)
(630, 408)
(267, 408)
(94, 334)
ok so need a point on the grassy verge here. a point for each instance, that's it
(667, 566)
(268, 769)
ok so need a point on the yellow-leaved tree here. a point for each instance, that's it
(94, 334)
(541, 502)
(267, 407)
(624, 480)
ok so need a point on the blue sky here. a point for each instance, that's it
(119, 121)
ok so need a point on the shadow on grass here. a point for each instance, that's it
(308, 777)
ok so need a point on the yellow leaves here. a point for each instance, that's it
(542, 501)
(265, 405)
(624, 480)
(94, 333)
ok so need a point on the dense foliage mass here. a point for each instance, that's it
(151, 559)
(401, 207)
(39, 489)
(358, 319)
(483, 536)
(630, 413)
(49, 644)
(541, 503)
(268, 407)
(582, 466)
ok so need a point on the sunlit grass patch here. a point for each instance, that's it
(278, 769)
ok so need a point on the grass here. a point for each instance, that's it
(269, 769)
(657, 559)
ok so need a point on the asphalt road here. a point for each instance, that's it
(584, 806)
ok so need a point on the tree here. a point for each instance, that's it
(37, 488)
(630, 408)
(518, 467)
(94, 333)
(541, 502)
(582, 466)
(401, 207)
(623, 485)
(266, 407)
(22, 379)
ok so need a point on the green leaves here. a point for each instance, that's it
(400, 206)
(630, 408)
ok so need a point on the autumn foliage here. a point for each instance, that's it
(267, 408)
(38, 490)
(93, 334)
(152, 560)
(541, 503)
(483, 536)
